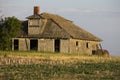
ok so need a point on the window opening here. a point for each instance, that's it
(16, 44)
(33, 44)
(77, 43)
(87, 45)
(57, 45)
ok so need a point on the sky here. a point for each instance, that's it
(100, 17)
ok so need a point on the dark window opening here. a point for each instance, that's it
(25, 27)
(16, 44)
(33, 44)
(77, 43)
(93, 52)
(10, 44)
(87, 45)
(57, 45)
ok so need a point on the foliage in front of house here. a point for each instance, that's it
(9, 28)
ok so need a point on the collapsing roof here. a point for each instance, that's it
(59, 27)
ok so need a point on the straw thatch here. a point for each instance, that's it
(59, 27)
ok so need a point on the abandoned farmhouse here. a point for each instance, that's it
(53, 33)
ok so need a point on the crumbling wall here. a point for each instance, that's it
(82, 46)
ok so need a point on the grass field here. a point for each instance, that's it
(57, 66)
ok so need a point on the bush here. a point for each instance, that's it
(9, 28)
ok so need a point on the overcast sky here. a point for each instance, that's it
(100, 17)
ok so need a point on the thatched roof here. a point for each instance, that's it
(59, 27)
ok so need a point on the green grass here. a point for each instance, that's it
(57, 66)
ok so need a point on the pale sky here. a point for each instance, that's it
(100, 17)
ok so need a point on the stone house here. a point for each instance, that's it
(53, 33)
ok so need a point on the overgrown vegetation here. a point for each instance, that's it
(51, 66)
(9, 28)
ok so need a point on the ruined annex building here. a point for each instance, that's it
(52, 33)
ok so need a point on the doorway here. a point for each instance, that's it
(16, 44)
(57, 45)
(34, 44)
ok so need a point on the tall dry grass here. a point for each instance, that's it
(13, 58)
(57, 66)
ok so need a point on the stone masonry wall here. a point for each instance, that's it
(24, 44)
(46, 45)
(36, 26)
(80, 46)
(64, 46)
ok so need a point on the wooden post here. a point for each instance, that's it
(26, 44)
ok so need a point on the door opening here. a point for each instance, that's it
(57, 45)
(16, 44)
(34, 44)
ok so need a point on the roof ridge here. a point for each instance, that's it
(49, 14)
(34, 16)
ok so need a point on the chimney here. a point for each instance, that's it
(36, 10)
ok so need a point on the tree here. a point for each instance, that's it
(9, 29)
